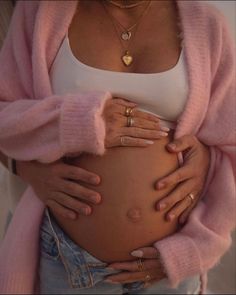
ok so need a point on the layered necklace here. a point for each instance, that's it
(125, 34)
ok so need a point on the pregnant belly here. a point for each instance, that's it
(126, 218)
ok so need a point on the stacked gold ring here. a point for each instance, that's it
(128, 111)
(140, 265)
(130, 121)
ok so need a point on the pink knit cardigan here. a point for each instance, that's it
(37, 125)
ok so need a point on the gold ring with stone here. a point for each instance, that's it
(130, 121)
(128, 111)
(140, 265)
(147, 278)
(191, 196)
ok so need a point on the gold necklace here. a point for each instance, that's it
(126, 34)
(127, 6)
(127, 58)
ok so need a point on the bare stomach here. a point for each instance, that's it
(126, 219)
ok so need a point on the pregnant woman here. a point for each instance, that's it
(80, 50)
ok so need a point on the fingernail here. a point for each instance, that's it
(137, 253)
(85, 210)
(161, 206)
(161, 133)
(95, 198)
(172, 146)
(163, 128)
(149, 141)
(94, 180)
(171, 216)
(161, 185)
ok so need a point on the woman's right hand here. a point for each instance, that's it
(145, 128)
(56, 185)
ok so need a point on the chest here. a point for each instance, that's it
(155, 46)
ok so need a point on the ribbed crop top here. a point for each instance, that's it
(163, 94)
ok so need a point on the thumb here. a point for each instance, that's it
(181, 144)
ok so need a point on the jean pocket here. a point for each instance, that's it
(48, 244)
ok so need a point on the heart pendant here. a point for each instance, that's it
(127, 59)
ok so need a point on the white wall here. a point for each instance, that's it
(229, 10)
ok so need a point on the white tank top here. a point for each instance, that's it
(163, 94)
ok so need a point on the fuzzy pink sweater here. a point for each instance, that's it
(37, 125)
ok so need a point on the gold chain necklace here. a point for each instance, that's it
(126, 34)
(127, 6)
(127, 58)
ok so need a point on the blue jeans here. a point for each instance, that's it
(66, 268)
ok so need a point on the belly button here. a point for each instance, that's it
(134, 214)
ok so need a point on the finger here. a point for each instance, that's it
(60, 210)
(130, 277)
(184, 216)
(146, 252)
(146, 124)
(133, 266)
(76, 190)
(179, 192)
(72, 203)
(179, 208)
(135, 142)
(77, 173)
(145, 115)
(124, 102)
(181, 174)
(182, 143)
(143, 133)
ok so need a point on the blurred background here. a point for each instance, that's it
(222, 279)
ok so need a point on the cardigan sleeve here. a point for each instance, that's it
(200, 244)
(45, 129)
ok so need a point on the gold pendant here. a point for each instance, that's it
(127, 59)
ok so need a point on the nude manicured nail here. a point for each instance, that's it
(165, 129)
(149, 141)
(94, 180)
(172, 146)
(161, 185)
(161, 206)
(162, 133)
(85, 210)
(95, 198)
(137, 253)
(171, 216)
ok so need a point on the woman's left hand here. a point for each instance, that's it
(148, 269)
(189, 178)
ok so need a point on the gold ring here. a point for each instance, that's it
(130, 121)
(147, 278)
(128, 111)
(140, 265)
(191, 196)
